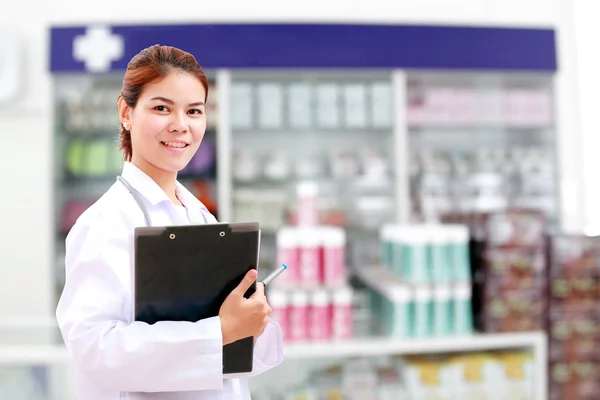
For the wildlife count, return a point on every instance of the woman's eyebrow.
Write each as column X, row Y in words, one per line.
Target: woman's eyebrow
column 169, row 101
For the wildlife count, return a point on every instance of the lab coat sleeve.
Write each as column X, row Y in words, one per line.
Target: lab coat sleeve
column 109, row 349
column 268, row 349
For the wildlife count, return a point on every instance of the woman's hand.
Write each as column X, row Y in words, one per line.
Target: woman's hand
column 241, row 317
column 259, row 295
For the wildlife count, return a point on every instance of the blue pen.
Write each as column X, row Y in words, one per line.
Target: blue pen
column 274, row 274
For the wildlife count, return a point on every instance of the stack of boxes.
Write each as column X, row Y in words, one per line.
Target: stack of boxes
column 510, row 271
column 574, row 329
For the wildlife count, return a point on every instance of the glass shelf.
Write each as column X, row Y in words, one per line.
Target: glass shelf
column 331, row 128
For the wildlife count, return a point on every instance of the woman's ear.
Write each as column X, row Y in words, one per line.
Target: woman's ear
column 124, row 113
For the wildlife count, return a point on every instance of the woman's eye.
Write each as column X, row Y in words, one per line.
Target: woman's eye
column 160, row 108
column 195, row 111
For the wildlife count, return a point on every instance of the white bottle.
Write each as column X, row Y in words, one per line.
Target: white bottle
column 341, row 314
column 308, row 214
column 334, row 256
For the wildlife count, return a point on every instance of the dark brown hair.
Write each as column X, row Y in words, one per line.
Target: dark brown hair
column 148, row 65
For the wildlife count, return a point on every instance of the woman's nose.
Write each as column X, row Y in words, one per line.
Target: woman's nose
column 177, row 123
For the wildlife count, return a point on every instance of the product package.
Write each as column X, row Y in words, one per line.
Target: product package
column 510, row 271
column 574, row 316
column 574, row 380
column 494, row 375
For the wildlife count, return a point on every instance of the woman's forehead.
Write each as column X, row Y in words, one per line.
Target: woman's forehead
column 177, row 87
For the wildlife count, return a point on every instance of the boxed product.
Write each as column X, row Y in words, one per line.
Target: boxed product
column 574, row 380
column 565, row 288
column 517, row 382
column 574, row 255
column 429, row 378
column 520, row 310
column 574, row 333
column 507, row 270
column 583, row 309
column 492, row 375
column 515, row 228
column 510, row 271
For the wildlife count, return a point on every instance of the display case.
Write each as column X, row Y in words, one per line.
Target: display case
column 282, row 130
column 481, row 142
column 380, row 125
column 368, row 127
column 330, row 133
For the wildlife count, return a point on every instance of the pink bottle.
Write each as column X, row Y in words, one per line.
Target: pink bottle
column 288, row 253
column 341, row 314
column 278, row 300
column 298, row 319
column 334, row 256
column 310, row 256
column 319, row 315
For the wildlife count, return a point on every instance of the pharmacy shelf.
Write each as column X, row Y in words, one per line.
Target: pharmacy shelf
column 387, row 346
column 378, row 278
column 29, row 355
column 383, row 280
column 57, row 354
column 38, row 347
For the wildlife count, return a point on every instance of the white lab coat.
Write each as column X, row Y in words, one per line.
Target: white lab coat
column 117, row 358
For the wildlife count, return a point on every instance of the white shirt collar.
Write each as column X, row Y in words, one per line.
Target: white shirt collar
column 145, row 185
column 151, row 191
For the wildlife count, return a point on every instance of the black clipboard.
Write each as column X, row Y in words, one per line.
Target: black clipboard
column 184, row 273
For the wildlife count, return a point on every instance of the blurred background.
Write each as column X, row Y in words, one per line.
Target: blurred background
column 426, row 168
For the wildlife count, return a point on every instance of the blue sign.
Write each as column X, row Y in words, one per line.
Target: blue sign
column 109, row 48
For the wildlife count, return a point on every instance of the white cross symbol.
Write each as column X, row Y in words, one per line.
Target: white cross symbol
column 98, row 48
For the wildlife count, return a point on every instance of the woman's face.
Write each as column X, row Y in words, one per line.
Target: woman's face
column 168, row 123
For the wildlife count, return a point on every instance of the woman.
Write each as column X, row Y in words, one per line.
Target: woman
column 162, row 112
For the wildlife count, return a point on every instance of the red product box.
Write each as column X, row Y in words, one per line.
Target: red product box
column 572, row 310
column 516, row 311
column 574, row 288
column 513, row 324
column 500, row 287
column 516, row 228
column 574, row 349
column 524, row 262
column 574, row 380
column 574, row 256
column 519, row 303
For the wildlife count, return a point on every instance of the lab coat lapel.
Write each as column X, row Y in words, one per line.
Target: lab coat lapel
column 196, row 217
column 192, row 204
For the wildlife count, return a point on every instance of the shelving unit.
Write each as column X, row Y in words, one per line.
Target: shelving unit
column 368, row 347
column 383, row 158
column 365, row 201
column 285, row 127
column 481, row 142
column 41, row 354
column 56, row 357
column 281, row 107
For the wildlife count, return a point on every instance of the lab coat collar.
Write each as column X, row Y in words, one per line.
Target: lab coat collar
column 197, row 212
column 145, row 185
column 150, row 190
column 188, row 199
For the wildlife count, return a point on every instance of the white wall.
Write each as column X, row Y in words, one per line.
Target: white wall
column 25, row 156
column 588, row 72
